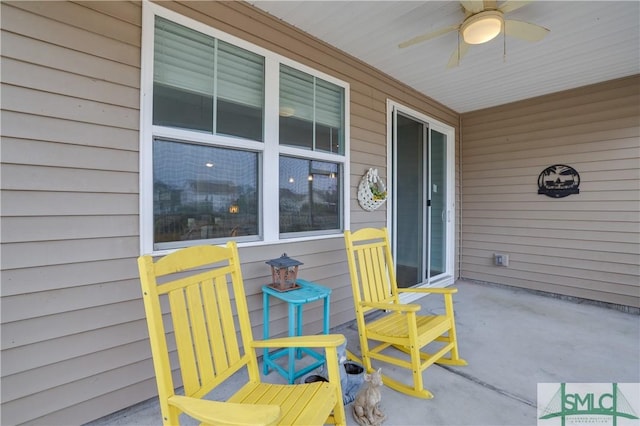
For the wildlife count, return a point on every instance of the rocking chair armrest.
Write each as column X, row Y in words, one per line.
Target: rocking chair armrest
column 313, row 341
column 429, row 290
column 407, row 307
column 226, row 413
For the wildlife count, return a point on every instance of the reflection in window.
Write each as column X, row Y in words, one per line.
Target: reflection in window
column 192, row 69
column 309, row 195
column 211, row 175
column 203, row 192
column 311, row 112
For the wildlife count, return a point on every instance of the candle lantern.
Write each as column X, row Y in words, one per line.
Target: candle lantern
column 284, row 271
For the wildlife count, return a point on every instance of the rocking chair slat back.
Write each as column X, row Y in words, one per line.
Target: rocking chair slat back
column 399, row 330
column 375, row 269
column 202, row 316
column 196, row 307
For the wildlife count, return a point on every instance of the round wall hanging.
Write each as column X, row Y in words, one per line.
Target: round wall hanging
column 558, row 181
column 372, row 192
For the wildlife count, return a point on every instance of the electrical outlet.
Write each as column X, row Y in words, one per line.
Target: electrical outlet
column 500, row 259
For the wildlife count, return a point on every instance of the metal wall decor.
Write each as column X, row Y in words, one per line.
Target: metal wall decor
column 558, row 181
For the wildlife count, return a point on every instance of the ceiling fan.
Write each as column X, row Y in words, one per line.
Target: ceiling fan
column 483, row 21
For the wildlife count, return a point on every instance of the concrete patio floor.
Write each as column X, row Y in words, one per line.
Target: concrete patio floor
column 512, row 339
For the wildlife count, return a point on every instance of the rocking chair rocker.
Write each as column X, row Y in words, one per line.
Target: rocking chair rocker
column 374, row 288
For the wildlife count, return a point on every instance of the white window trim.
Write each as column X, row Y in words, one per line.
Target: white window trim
column 270, row 148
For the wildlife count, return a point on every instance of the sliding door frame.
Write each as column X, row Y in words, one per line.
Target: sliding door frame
column 448, row 277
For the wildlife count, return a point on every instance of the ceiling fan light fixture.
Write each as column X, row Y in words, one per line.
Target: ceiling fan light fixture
column 482, row 27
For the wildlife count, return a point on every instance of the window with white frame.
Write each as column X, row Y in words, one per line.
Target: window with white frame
column 236, row 141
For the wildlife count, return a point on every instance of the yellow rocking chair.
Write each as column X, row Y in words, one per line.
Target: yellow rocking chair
column 207, row 324
column 374, row 288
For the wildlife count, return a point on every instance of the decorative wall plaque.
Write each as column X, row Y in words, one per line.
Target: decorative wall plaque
column 558, row 181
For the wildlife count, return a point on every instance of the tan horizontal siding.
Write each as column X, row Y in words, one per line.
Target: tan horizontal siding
column 110, row 401
column 556, row 101
column 553, row 136
column 28, row 254
column 40, row 405
column 18, row 73
column 565, row 277
column 548, row 225
column 39, row 26
column 62, row 58
column 626, row 193
column 587, row 260
column 575, row 275
column 595, row 110
column 623, row 128
column 38, row 379
column 21, row 359
column 554, row 288
column 30, row 178
column 45, row 303
column 45, row 228
column 26, row 126
column 43, row 203
column 41, row 153
column 36, row 329
column 542, row 232
column 61, row 276
column 94, row 22
column 585, row 245
column 25, row 100
column 74, row 342
column 127, row 11
column 71, row 314
column 616, row 149
column 560, row 215
column 584, row 206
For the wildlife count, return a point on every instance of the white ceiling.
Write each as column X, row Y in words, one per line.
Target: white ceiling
column 589, row 42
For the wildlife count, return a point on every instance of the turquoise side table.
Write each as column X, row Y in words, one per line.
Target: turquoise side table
column 309, row 292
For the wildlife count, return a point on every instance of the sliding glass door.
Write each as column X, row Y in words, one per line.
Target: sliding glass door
column 438, row 211
column 422, row 226
column 410, row 201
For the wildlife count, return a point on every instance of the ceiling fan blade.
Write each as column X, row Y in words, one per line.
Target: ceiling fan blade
column 457, row 54
column 427, row 36
column 511, row 5
column 524, row 30
column 472, row 6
